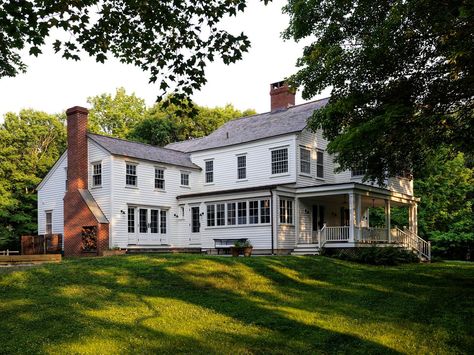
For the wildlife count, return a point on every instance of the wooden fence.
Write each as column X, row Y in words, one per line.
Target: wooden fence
column 41, row 244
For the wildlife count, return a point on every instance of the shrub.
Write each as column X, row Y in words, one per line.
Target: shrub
column 378, row 255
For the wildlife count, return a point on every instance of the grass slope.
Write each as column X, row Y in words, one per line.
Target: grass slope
column 186, row 303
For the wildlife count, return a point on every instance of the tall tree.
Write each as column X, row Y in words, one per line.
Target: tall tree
column 168, row 123
column 401, row 74
column 115, row 115
column 172, row 40
column 30, row 143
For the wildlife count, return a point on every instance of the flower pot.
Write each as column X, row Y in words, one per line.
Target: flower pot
column 235, row 251
column 248, row 251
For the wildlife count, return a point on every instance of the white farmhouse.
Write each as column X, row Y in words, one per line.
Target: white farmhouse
column 265, row 178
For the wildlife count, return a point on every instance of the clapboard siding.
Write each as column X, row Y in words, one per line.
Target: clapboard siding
column 258, row 164
column 50, row 197
column 101, row 194
column 314, row 141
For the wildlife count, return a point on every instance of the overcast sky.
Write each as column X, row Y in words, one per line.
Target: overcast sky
column 53, row 84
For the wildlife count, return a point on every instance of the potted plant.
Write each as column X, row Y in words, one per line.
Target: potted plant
column 242, row 247
column 247, row 248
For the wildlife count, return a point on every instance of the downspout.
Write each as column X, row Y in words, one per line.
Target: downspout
column 271, row 218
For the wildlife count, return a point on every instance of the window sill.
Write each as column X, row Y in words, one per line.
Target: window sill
column 185, row 186
column 320, row 178
column 96, row 187
column 131, row 187
column 279, row 175
column 239, row 226
column 305, row 175
column 160, row 190
column 241, row 180
column 209, row 183
column 286, row 224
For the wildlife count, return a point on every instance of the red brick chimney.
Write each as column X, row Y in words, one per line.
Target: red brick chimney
column 77, row 148
column 78, row 215
column 281, row 96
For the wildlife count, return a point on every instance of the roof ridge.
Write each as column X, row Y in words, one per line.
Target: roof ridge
column 129, row 141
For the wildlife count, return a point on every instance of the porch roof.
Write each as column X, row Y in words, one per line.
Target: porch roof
column 347, row 187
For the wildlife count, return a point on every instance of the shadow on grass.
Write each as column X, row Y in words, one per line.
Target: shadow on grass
column 198, row 304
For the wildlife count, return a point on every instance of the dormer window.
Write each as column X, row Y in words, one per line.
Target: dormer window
column 131, row 175
column 96, row 174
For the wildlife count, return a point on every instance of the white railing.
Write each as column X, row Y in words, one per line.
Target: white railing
column 414, row 242
column 372, row 234
column 337, row 234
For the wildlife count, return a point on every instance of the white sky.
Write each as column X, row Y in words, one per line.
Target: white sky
column 53, row 84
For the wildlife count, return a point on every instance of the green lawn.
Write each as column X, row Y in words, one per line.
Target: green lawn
column 186, row 303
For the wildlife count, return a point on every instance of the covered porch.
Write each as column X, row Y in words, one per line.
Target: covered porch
column 342, row 218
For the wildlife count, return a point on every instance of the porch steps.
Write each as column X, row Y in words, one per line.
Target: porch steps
column 306, row 249
column 162, row 250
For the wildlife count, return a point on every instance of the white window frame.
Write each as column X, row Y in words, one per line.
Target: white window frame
column 319, row 164
column 241, row 168
column 206, row 172
column 162, row 178
column 212, row 221
column 282, row 173
column 288, row 217
column 127, row 174
column 306, row 173
column 357, row 173
column 94, row 174
column 46, row 213
column 181, row 175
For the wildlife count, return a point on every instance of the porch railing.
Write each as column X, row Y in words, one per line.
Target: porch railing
column 414, row 242
column 333, row 234
column 371, row 234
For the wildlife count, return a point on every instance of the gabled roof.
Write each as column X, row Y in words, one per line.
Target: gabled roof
column 143, row 151
column 247, row 129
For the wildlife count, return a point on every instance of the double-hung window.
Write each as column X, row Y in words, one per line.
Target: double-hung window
column 131, row 175
column 159, row 178
column 305, row 161
column 286, row 211
column 231, row 214
column 97, row 174
column 320, row 164
column 279, row 161
column 184, row 179
column 241, row 167
column 211, row 215
column 49, row 222
column 253, row 212
column 242, row 212
column 209, row 171
column 357, row 172
column 220, row 214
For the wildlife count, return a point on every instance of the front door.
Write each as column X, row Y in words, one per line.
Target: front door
column 195, row 226
column 152, row 226
column 318, row 217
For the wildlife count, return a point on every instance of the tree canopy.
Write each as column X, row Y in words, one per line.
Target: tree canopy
column 401, row 74
column 30, row 143
column 171, row 40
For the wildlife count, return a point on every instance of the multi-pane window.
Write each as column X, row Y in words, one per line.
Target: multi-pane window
column 220, row 214
column 209, row 171
column 286, row 211
column 241, row 167
column 131, row 220
column 162, row 221
column 253, row 212
column 265, row 211
column 49, row 222
column 357, row 172
column 159, row 178
column 211, row 215
column 320, row 164
column 154, row 221
column 143, row 220
column 242, row 212
column 280, row 161
column 131, row 175
column 96, row 174
column 305, row 161
column 231, row 214
column 184, row 179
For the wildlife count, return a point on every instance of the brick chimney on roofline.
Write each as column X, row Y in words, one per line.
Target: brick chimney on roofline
column 281, row 96
column 77, row 148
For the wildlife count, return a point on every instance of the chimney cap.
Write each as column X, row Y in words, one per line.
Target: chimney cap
column 76, row 109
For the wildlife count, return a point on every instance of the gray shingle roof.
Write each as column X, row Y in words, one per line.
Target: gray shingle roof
column 143, row 151
column 251, row 128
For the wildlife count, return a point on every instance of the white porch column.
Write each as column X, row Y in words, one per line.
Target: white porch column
column 297, row 220
column 351, row 217
column 275, row 222
column 358, row 211
column 413, row 218
column 387, row 219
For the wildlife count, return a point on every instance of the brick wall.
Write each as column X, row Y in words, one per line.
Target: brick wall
column 76, row 212
column 281, row 96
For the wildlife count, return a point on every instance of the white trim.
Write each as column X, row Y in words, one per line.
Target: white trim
column 52, row 170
